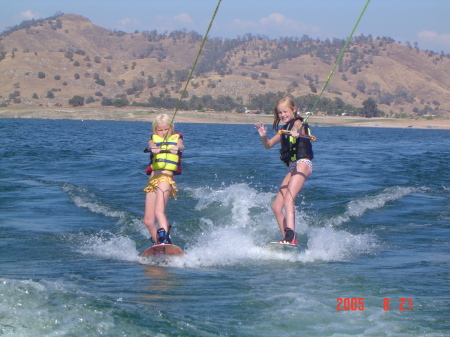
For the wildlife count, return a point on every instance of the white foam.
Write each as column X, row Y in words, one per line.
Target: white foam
column 237, row 225
column 110, row 245
column 358, row 207
column 30, row 308
column 240, row 197
column 83, row 198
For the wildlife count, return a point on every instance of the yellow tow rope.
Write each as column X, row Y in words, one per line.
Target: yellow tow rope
column 195, row 62
column 338, row 59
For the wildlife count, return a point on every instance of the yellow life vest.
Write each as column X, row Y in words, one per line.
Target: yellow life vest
column 166, row 160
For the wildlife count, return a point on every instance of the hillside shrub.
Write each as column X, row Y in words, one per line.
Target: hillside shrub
column 100, row 82
column 69, row 55
column 121, row 102
column 76, row 101
column 107, row 101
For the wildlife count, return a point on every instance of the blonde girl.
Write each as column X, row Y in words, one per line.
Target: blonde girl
column 296, row 152
column 165, row 147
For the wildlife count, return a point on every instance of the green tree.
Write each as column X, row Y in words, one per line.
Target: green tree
column 181, row 75
column 107, row 101
column 370, row 108
column 121, row 102
column 151, row 82
column 361, row 86
column 50, row 94
column 69, row 55
column 100, row 82
column 41, row 75
column 76, row 101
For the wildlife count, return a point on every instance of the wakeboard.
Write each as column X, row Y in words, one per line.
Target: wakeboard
column 284, row 247
column 162, row 250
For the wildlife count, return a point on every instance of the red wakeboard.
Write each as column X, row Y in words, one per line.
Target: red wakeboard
column 163, row 250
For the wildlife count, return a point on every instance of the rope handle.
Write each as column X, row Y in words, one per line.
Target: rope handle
column 300, row 135
column 147, row 150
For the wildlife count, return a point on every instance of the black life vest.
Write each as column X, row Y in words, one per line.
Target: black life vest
column 293, row 149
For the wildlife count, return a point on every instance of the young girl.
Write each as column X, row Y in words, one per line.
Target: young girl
column 165, row 147
column 296, row 152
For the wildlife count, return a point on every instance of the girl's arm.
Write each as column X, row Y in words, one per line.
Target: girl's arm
column 268, row 143
column 152, row 147
column 298, row 129
column 179, row 146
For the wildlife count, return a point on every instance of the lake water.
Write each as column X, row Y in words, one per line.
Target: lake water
column 373, row 219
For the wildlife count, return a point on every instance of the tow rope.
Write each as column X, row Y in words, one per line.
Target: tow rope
column 177, row 107
column 338, row 59
column 195, row 61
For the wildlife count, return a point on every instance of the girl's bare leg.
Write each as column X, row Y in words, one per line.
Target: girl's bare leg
column 149, row 214
column 162, row 197
column 278, row 204
column 290, row 187
column 155, row 206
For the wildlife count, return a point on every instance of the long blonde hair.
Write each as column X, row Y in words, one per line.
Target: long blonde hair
column 162, row 118
column 289, row 102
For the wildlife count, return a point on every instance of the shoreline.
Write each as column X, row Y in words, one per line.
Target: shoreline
column 147, row 115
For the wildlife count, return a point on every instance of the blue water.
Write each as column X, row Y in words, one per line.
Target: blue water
column 373, row 218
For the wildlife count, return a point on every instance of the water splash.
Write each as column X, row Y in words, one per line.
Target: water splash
column 47, row 308
column 109, row 245
column 240, row 197
column 241, row 238
column 83, row 198
column 356, row 208
column 236, row 225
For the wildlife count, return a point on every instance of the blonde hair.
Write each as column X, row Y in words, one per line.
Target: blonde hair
column 288, row 102
column 162, row 118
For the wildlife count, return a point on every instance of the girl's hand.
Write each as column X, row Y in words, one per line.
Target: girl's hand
column 155, row 150
column 262, row 130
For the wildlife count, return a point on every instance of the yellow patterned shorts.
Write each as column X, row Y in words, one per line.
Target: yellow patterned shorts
column 293, row 164
column 154, row 181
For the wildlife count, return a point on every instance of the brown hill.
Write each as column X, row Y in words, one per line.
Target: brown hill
column 51, row 61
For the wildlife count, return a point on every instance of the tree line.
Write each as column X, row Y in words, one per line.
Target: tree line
column 261, row 104
column 26, row 24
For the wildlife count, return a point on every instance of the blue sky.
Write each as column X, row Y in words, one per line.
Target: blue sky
column 423, row 21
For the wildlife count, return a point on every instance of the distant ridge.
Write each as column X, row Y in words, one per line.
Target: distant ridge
column 49, row 61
